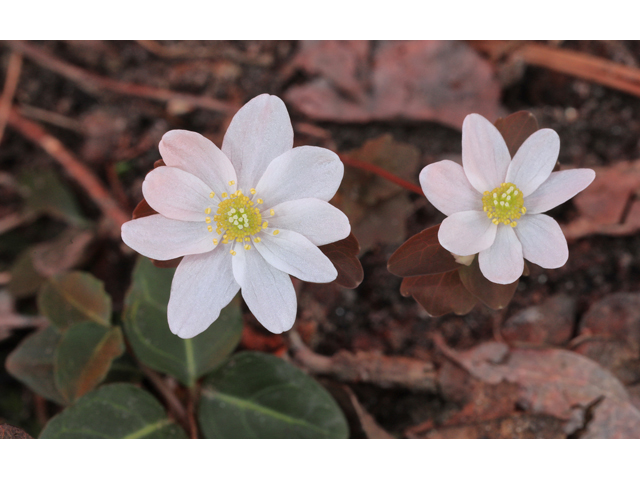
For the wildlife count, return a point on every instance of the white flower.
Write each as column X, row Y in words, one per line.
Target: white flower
column 244, row 217
column 494, row 204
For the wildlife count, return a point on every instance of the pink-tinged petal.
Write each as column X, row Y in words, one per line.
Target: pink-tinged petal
column 543, row 242
column 296, row 255
column 162, row 238
column 304, row 172
column 466, row 233
column 485, row 156
column 267, row 291
column 319, row 221
column 446, row 186
column 193, row 153
column 502, row 262
column 176, row 194
column 259, row 132
column 202, row 286
column 558, row 188
column 534, row 161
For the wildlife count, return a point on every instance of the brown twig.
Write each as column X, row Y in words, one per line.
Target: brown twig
column 348, row 160
column 384, row 371
column 78, row 171
column 191, row 412
column 581, row 65
column 93, row 83
column 173, row 403
column 9, row 90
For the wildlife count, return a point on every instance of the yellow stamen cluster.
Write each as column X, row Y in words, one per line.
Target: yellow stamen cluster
column 504, row 204
column 237, row 218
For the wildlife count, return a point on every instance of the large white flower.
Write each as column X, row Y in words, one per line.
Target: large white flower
column 244, row 217
column 494, row 204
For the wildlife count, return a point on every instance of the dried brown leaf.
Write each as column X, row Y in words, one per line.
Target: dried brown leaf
column 440, row 81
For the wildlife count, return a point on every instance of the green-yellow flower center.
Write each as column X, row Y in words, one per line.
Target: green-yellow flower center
column 238, row 217
column 504, row 204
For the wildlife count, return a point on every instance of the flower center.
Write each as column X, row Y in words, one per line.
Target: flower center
column 238, row 219
column 504, row 204
column 238, row 216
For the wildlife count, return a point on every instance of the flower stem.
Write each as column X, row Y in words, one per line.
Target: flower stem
column 346, row 159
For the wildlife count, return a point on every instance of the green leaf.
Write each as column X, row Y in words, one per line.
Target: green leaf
column 74, row 297
column 45, row 193
column 147, row 329
column 84, row 356
column 32, row 363
column 114, row 411
column 25, row 279
column 256, row 395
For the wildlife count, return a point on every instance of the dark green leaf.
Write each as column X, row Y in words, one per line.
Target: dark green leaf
column 493, row 295
column 439, row 294
column 147, row 330
column 32, row 363
column 45, row 193
column 256, row 395
column 114, row 411
column 84, row 356
column 422, row 254
column 74, row 297
column 25, row 279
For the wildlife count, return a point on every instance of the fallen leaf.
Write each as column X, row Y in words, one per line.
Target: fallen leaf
column 10, row 432
column 610, row 206
column 609, row 333
column 560, row 383
column 551, row 322
column 440, row 81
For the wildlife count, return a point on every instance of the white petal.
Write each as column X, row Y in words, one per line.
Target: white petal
column 304, row 172
column 319, row 221
column 193, row 153
column 534, row 161
column 267, row 291
column 446, row 186
column 202, row 286
column 543, row 242
column 163, row 239
column 485, row 156
column 558, row 188
column 296, row 255
column 259, row 132
column 176, row 194
column 502, row 262
column 466, row 233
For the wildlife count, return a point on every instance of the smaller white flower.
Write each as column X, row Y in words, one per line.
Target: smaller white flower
column 244, row 217
column 494, row 205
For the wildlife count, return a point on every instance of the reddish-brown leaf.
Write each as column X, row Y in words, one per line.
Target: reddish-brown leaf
column 493, row 295
column 571, row 387
column 343, row 255
column 10, row 432
column 439, row 294
column 516, row 128
column 422, row 254
column 441, row 81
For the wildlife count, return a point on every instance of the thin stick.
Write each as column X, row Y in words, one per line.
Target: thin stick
column 78, row 171
column 581, row 65
column 96, row 83
column 173, row 403
column 347, row 160
column 10, row 85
